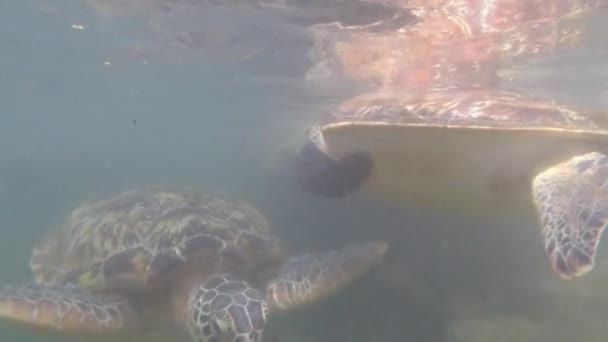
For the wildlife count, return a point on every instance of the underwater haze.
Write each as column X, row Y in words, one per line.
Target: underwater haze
column 100, row 96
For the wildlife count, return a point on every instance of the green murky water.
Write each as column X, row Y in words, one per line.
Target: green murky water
column 94, row 102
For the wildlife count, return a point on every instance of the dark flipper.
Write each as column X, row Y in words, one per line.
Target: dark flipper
column 329, row 177
column 306, row 278
column 65, row 310
column 572, row 201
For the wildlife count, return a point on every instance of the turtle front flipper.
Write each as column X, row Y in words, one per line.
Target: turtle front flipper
column 572, row 202
column 225, row 308
column 330, row 177
column 306, row 278
column 67, row 310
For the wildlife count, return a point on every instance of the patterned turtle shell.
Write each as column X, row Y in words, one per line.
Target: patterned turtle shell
column 136, row 239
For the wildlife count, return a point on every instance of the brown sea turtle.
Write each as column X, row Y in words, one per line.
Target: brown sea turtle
column 142, row 258
column 451, row 140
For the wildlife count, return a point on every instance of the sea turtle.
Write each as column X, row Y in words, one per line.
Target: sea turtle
column 204, row 263
column 460, row 144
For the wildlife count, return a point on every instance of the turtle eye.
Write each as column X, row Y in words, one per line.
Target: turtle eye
column 210, row 332
column 215, row 327
column 222, row 329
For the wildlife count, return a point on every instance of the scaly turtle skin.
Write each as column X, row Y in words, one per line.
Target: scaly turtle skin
column 447, row 138
column 207, row 265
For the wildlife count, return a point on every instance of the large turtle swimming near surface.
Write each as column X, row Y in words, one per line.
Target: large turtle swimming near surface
column 207, row 265
column 439, row 134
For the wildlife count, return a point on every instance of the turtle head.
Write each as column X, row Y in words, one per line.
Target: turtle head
column 322, row 174
column 225, row 309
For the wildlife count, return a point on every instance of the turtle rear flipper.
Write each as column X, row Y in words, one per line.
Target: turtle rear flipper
column 572, row 201
column 309, row 277
column 67, row 310
column 329, row 177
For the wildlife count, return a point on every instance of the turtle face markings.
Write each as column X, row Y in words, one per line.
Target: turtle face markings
column 225, row 309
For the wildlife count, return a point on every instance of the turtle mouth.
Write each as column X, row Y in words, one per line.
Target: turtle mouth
column 328, row 177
